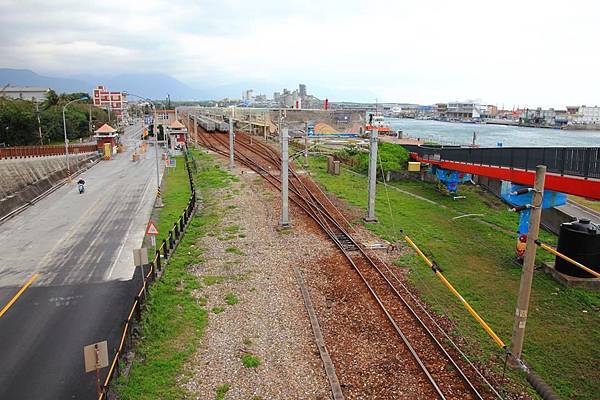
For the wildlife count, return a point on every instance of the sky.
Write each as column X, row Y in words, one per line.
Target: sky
column 512, row 53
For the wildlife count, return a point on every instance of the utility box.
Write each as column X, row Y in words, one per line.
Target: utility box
column 414, row 166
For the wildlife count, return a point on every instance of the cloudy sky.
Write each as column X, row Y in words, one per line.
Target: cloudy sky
column 526, row 52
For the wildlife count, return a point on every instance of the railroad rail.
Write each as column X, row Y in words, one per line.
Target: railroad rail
column 446, row 376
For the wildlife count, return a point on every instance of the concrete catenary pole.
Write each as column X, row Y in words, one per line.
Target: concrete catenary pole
column 159, row 202
column 195, row 131
column 372, row 176
column 285, row 221
column 516, row 344
column 231, row 139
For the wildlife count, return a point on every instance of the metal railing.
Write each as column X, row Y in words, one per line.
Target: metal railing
column 573, row 161
column 161, row 257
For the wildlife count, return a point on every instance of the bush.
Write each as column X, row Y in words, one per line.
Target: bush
column 391, row 157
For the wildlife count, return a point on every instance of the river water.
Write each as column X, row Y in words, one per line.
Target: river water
column 492, row 135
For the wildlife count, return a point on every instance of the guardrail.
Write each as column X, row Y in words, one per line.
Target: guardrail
column 573, row 161
column 161, row 257
column 43, row 151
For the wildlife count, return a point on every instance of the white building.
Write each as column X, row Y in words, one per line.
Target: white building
column 31, row 93
column 464, row 110
column 587, row 115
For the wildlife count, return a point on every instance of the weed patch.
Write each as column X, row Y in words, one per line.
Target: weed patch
column 231, row 299
column 250, row 361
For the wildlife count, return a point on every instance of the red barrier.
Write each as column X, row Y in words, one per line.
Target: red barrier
column 44, row 151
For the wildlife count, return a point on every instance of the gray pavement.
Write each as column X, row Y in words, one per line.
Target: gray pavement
column 81, row 248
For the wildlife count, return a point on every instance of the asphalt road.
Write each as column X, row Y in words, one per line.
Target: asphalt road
column 79, row 248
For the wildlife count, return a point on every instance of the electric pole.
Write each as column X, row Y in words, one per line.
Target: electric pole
column 372, row 176
column 518, row 337
column 285, row 221
column 231, row 139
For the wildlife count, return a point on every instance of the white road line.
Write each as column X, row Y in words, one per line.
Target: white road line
column 124, row 240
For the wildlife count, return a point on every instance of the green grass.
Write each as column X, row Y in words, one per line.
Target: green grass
column 218, row 310
column 250, row 361
column 210, row 280
column 561, row 340
column 221, row 391
column 234, row 250
column 231, row 299
column 174, row 320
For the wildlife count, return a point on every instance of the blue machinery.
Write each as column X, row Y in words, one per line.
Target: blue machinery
column 518, row 196
column 521, row 197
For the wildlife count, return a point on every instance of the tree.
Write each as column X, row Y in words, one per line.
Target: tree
column 51, row 99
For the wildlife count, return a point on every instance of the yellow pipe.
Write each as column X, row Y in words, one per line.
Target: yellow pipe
column 556, row 253
column 470, row 309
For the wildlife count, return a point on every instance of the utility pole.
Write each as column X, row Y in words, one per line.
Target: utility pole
column 306, row 143
column 279, row 124
column 37, row 112
column 159, row 202
column 90, row 122
column 285, row 221
column 231, row 139
column 518, row 336
column 195, row 132
column 372, row 176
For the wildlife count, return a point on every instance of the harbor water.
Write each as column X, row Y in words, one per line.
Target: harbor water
column 493, row 135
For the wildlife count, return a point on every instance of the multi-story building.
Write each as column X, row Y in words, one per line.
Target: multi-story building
column 248, row 95
column 587, row 115
column 32, row 93
column 113, row 101
column 464, row 110
column 441, row 109
column 302, row 90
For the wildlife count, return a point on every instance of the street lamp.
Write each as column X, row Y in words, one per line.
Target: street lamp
column 158, row 198
column 65, row 130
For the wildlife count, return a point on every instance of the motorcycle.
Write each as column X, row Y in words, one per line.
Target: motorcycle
column 80, row 186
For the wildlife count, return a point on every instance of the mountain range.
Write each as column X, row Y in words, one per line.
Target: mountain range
column 157, row 86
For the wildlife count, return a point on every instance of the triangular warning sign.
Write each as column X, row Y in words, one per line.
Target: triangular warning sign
column 151, row 229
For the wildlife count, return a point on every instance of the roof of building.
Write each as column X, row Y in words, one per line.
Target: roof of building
column 105, row 129
column 176, row 125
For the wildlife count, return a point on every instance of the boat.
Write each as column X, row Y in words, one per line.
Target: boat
column 379, row 123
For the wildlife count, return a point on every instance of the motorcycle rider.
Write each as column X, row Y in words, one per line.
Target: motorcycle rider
column 80, row 185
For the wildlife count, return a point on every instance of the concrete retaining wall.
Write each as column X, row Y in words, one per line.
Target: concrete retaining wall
column 22, row 180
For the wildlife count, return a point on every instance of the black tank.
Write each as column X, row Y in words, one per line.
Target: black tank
column 579, row 240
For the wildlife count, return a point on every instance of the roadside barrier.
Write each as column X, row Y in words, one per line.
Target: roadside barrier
column 44, row 151
column 159, row 262
column 552, row 250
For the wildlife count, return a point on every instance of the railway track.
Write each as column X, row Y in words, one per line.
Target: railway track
column 447, row 377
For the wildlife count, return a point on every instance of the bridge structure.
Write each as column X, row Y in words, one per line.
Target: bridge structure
column 571, row 170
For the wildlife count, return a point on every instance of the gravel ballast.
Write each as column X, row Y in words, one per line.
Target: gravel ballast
column 256, row 311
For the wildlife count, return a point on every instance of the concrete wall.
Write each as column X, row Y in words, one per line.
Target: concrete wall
column 22, row 180
column 492, row 185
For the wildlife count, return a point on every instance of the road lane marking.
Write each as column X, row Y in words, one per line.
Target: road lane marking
column 19, row 293
column 142, row 202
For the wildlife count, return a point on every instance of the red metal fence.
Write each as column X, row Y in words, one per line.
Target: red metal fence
column 43, row 151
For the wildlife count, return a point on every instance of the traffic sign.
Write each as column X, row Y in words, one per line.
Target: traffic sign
column 95, row 356
column 151, row 229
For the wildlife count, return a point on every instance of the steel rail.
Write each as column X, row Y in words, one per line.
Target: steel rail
column 325, row 220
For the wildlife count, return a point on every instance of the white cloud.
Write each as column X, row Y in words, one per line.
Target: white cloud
column 512, row 52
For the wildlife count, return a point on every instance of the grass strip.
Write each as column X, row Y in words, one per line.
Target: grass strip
column 173, row 320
